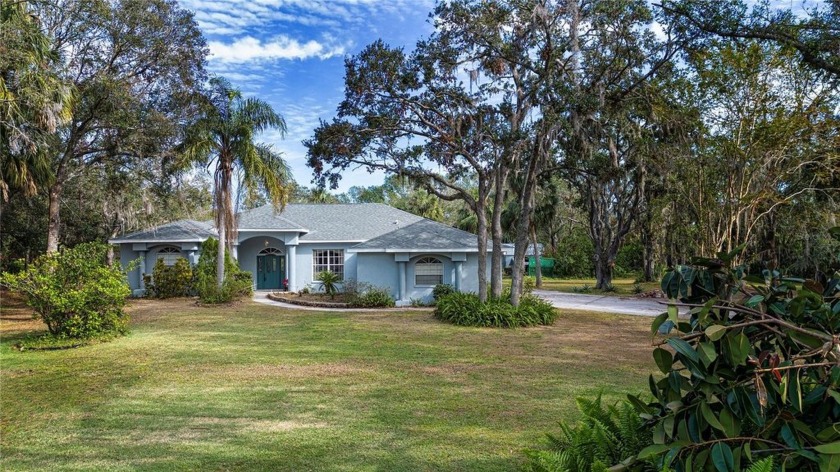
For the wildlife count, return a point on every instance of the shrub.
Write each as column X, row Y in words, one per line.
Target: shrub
column 603, row 437
column 637, row 288
column 237, row 283
column 585, row 289
column 170, row 281
column 755, row 372
column 528, row 284
column 610, row 288
column 329, row 281
column 465, row 309
column 372, row 297
column 442, row 290
column 75, row 292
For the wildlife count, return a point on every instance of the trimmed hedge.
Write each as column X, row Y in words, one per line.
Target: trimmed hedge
column 465, row 309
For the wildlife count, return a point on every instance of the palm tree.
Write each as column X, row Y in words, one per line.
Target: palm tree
column 224, row 136
column 33, row 100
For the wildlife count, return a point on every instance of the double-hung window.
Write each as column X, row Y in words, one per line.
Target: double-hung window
column 328, row 259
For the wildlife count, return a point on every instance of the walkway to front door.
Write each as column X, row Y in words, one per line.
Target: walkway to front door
column 271, row 269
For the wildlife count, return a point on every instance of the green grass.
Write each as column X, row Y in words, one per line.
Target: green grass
column 252, row 387
column 624, row 286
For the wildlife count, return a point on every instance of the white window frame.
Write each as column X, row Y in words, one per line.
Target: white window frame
column 169, row 255
column 428, row 266
column 328, row 259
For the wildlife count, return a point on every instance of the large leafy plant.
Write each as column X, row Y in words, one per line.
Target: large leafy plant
column 753, row 373
column 75, row 292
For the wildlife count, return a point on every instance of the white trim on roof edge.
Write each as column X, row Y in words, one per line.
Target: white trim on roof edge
column 140, row 241
column 424, row 251
column 292, row 230
column 330, row 241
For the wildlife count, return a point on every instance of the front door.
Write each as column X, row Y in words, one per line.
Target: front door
column 270, row 271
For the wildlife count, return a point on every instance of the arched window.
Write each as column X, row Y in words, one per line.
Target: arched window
column 271, row 251
column 428, row 271
column 169, row 255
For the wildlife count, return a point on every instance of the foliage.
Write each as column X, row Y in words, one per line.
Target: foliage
column 237, row 284
column 329, row 282
column 224, row 136
column 75, row 292
column 574, row 256
column 372, row 297
column 465, row 309
column 528, row 284
column 586, row 288
column 133, row 66
column 637, row 288
column 754, row 373
column 604, row 436
column 170, row 281
column 441, row 290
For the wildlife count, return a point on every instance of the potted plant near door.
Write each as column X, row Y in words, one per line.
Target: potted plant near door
column 285, row 285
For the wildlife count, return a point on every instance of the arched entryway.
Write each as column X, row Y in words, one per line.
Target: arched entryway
column 271, row 269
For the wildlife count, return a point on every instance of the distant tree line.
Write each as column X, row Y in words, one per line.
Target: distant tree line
column 624, row 136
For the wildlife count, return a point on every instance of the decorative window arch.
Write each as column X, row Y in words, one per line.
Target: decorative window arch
column 271, row 251
column 428, row 271
column 169, row 255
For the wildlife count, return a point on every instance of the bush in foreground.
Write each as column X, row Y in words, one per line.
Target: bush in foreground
column 170, row 281
column 372, row 297
column 75, row 292
column 465, row 309
column 237, row 284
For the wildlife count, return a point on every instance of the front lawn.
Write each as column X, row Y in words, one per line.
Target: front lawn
column 254, row 387
column 624, row 287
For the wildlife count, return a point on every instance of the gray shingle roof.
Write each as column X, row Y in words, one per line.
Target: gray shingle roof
column 265, row 217
column 181, row 230
column 423, row 235
column 332, row 222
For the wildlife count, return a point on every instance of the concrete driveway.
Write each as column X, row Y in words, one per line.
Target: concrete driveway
column 605, row 304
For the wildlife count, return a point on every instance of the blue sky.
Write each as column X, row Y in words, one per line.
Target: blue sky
column 291, row 54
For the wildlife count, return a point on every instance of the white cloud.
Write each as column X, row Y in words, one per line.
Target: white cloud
column 249, row 49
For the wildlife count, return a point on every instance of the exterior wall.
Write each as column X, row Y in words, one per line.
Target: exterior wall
column 379, row 269
column 127, row 255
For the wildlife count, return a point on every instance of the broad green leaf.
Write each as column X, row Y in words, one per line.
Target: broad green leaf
column 730, row 423
column 663, row 359
column 722, row 458
column 795, row 391
column 639, row 405
column 710, row 417
column 657, row 322
column 652, row 451
column 738, row 346
column 754, row 300
column 684, row 348
column 829, row 462
column 673, row 312
column 708, row 354
column 830, row 448
column 715, row 332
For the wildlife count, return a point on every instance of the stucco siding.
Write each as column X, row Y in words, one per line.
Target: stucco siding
column 380, row 270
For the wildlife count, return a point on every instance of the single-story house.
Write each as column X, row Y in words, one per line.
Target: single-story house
column 367, row 242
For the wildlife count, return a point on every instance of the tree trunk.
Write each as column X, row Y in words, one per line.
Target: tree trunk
column 497, row 269
column 481, row 214
column 523, row 224
column 53, row 228
column 604, row 264
column 537, row 259
column 647, row 248
column 220, row 255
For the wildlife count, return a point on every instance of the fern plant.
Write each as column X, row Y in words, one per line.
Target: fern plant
column 604, row 437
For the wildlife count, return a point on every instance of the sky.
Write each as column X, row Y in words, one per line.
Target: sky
column 291, row 53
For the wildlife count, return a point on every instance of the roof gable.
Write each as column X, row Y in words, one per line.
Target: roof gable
column 423, row 235
column 176, row 231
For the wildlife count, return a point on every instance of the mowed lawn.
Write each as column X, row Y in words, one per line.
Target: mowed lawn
column 624, row 286
column 254, row 387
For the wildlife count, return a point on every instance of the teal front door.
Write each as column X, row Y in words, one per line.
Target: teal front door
column 270, row 271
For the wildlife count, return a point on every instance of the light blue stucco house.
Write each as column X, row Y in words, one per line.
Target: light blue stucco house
column 366, row 242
